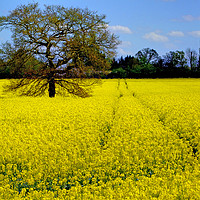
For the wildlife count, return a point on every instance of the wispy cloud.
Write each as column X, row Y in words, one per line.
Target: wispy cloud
column 190, row 18
column 125, row 44
column 120, row 29
column 155, row 37
column 176, row 34
column 187, row 18
column 195, row 33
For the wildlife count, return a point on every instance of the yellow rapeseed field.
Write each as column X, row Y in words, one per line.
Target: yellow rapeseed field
column 133, row 139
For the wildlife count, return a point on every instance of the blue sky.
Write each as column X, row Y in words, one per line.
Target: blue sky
column 164, row 25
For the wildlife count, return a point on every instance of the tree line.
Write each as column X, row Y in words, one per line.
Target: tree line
column 145, row 64
column 148, row 64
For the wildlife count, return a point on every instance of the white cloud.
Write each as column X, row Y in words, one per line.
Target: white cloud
column 190, row 18
column 195, row 33
column 125, row 44
column 187, row 18
column 155, row 37
column 120, row 29
column 176, row 34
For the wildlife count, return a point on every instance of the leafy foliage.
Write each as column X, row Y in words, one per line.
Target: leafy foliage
column 67, row 43
column 147, row 64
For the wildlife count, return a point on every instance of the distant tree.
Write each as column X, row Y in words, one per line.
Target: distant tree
column 4, row 71
column 170, row 59
column 181, row 60
column 66, row 43
column 114, row 64
column 124, row 67
column 175, row 64
column 131, row 61
column 147, row 70
column 192, row 58
column 150, row 55
column 119, row 73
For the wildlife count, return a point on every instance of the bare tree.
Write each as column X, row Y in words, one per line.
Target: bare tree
column 67, row 43
column 192, row 58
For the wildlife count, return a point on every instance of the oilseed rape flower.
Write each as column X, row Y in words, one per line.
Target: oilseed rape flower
column 133, row 139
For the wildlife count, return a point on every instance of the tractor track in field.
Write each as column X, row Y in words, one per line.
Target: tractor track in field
column 106, row 130
column 161, row 119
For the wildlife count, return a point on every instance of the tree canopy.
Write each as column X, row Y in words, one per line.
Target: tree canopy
column 148, row 64
column 66, row 42
column 150, row 55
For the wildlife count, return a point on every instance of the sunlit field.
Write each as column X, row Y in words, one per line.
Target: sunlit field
column 133, row 139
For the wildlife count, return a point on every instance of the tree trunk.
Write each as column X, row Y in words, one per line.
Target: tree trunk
column 52, row 87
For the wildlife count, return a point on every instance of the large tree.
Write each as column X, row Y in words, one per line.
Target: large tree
column 150, row 55
column 66, row 42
